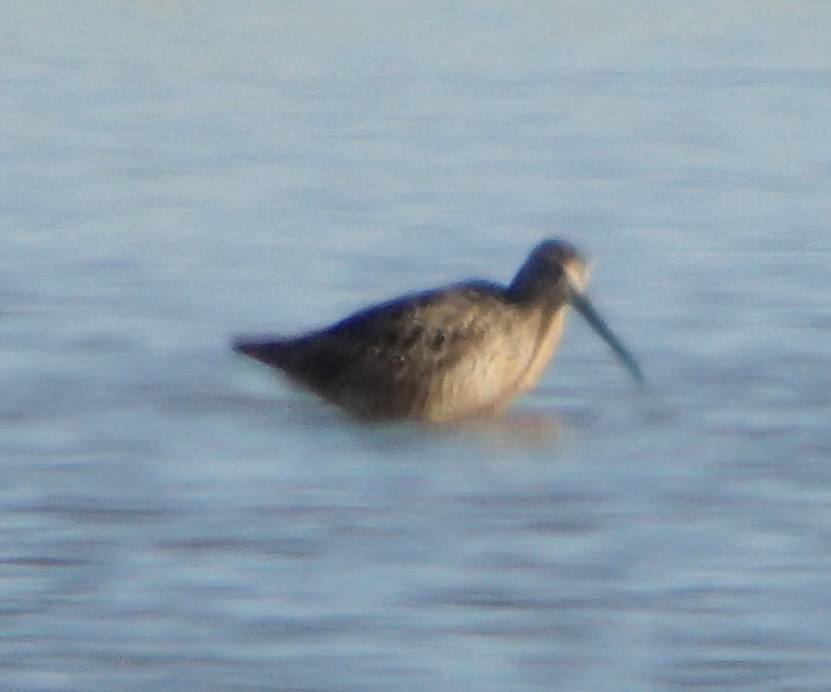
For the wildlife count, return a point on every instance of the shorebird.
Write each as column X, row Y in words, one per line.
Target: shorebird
column 462, row 351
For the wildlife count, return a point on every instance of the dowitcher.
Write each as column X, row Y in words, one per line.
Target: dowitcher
column 460, row 351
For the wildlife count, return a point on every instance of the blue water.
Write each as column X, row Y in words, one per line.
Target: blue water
column 176, row 518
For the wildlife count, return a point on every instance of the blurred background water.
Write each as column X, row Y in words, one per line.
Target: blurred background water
column 175, row 172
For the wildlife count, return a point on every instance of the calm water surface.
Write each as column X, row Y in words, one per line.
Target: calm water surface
column 176, row 518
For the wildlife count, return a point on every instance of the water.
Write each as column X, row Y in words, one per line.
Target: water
column 178, row 172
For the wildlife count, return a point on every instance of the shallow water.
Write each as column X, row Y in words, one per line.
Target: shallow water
column 177, row 172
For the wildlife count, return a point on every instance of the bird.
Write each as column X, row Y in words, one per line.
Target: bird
column 465, row 350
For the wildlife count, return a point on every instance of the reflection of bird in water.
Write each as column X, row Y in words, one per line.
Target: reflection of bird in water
column 461, row 351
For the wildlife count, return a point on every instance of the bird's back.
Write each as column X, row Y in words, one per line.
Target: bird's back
column 436, row 355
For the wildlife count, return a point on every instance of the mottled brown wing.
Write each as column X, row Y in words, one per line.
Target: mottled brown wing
column 378, row 361
column 431, row 329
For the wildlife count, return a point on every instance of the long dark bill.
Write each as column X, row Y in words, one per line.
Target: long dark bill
column 583, row 305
